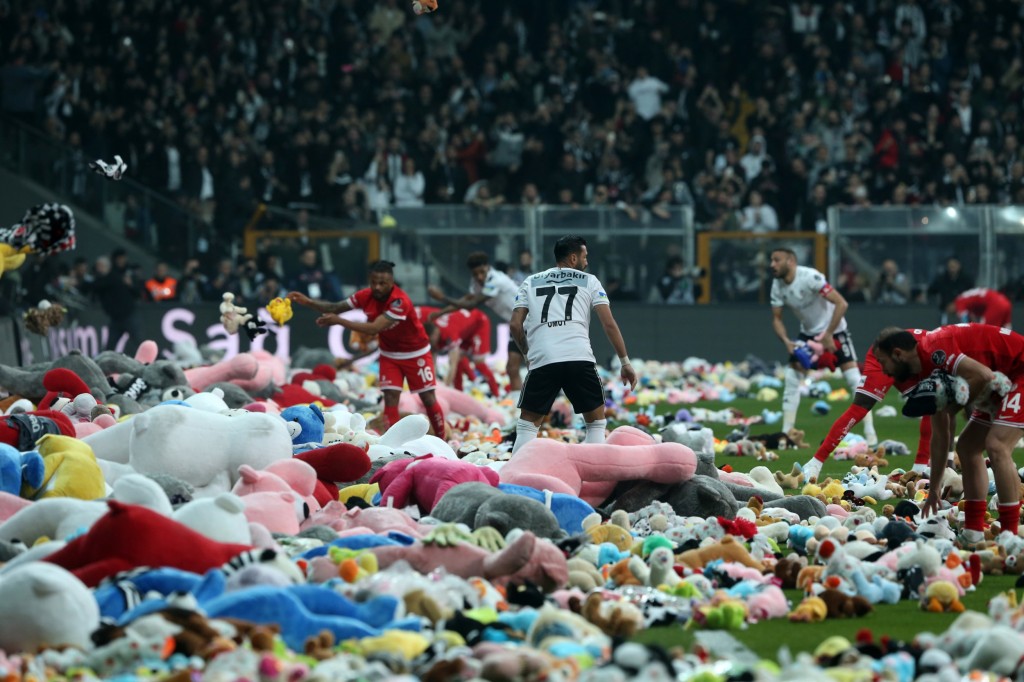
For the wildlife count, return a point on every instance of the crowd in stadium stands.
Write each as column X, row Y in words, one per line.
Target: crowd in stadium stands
column 760, row 115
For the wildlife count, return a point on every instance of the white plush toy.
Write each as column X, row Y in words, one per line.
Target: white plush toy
column 202, row 448
column 221, row 518
column 43, row 604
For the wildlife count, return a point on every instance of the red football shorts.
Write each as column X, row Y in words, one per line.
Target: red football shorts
column 418, row 372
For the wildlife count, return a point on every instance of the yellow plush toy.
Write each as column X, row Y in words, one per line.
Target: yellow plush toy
column 407, row 645
column 71, row 470
column 10, row 259
column 280, row 310
column 362, row 491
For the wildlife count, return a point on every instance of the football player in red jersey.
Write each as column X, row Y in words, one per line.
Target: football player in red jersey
column 465, row 335
column 404, row 347
column 986, row 306
column 874, row 384
column 974, row 352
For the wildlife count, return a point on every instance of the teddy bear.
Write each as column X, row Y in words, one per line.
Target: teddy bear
column 841, row 605
column 235, row 317
column 19, row 468
column 42, row 316
column 728, row 549
column 615, row 618
column 424, row 6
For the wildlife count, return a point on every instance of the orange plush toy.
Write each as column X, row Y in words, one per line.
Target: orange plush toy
column 424, row 6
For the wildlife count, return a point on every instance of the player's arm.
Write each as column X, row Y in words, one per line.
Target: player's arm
column 517, row 329
column 779, row 327
column 467, row 302
column 442, row 312
column 318, row 305
column 942, row 441
column 382, row 323
column 611, row 330
column 977, row 375
column 835, row 298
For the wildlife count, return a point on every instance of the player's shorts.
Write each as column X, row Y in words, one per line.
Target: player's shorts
column 578, row 378
column 1010, row 412
column 513, row 347
column 476, row 338
column 418, row 372
column 844, row 348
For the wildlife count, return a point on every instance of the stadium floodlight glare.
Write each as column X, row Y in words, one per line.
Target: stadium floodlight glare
column 951, row 212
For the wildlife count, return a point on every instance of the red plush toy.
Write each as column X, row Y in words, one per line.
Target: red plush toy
column 129, row 536
column 338, row 463
column 23, row 430
column 61, row 382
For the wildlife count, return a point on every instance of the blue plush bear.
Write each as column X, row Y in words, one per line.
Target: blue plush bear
column 20, row 468
column 306, row 426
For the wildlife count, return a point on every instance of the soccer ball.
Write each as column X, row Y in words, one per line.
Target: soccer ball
column 424, row 6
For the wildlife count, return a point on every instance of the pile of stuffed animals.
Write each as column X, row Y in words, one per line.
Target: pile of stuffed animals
column 243, row 519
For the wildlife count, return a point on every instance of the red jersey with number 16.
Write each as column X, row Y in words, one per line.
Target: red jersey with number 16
column 407, row 338
column 1001, row 350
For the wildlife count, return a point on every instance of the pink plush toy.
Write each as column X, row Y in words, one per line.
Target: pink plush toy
column 769, row 602
column 423, row 481
column 277, row 511
column 274, row 365
column 243, row 370
column 527, row 558
column 372, row 520
column 11, row 504
column 851, row 451
column 591, row 471
column 147, row 352
column 453, row 402
column 283, row 476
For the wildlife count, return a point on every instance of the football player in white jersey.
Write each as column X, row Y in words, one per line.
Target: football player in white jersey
column 551, row 325
column 498, row 291
column 821, row 310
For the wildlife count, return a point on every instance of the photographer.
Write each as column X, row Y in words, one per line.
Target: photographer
column 118, row 293
column 678, row 285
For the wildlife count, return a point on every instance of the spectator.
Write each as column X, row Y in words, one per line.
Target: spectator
column 677, row 286
column 892, row 286
column 312, row 280
column 161, row 286
column 409, row 186
column 193, row 286
column 524, row 268
column 948, row 284
column 645, row 92
column 118, row 291
column 759, row 217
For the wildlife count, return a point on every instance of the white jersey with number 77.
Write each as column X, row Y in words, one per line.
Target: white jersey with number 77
column 557, row 325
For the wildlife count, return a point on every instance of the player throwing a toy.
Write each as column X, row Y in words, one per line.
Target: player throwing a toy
column 551, row 326
column 404, row 347
column 986, row 306
column 498, row 291
column 974, row 352
column 821, row 310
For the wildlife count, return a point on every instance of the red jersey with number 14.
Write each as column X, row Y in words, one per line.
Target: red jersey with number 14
column 1001, row 350
column 407, row 338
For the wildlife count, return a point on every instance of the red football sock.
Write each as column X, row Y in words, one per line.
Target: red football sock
column 847, row 420
column 924, row 443
column 436, row 416
column 488, row 376
column 391, row 415
column 974, row 514
column 1009, row 517
column 463, row 369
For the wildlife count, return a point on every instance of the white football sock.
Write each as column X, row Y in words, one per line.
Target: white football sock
column 790, row 398
column 525, row 432
column 595, row 431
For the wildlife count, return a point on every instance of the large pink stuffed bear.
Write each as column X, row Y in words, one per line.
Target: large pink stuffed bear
column 591, row 471
column 423, row 481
